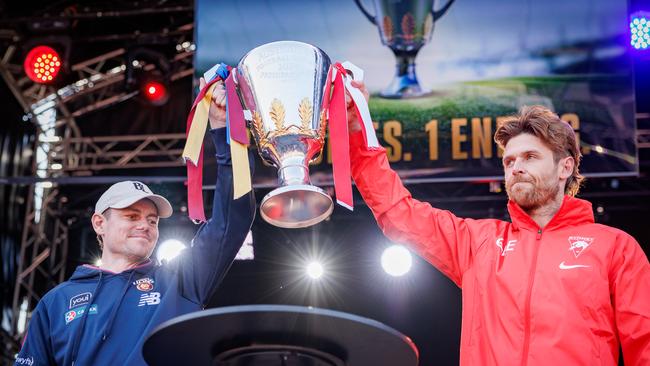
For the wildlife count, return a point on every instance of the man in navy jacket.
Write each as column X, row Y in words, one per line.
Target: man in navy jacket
column 101, row 316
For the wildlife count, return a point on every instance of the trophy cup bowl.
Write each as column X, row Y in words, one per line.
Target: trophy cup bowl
column 281, row 84
column 404, row 27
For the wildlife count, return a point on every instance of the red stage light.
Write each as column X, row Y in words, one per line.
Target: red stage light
column 42, row 64
column 155, row 92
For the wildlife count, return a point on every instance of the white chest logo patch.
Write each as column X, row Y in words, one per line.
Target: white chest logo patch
column 509, row 247
column 149, row 298
column 572, row 266
column 579, row 244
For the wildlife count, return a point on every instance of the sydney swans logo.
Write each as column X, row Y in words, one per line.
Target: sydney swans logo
column 579, row 244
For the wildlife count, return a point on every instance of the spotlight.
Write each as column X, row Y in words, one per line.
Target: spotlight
column 315, row 270
column 42, row 64
column 169, row 249
column 640, row 30
column 396, row 260
column 147, row 71
column 155, row 92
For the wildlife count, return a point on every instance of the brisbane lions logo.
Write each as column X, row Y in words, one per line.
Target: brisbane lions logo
column 144, row 284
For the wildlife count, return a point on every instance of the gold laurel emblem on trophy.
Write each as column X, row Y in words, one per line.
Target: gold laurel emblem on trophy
column 257, row 124
column 387, row 24
column 277, row 113
column 259, row 129
column 323, row 127
column 306, row 113
column 408, row 27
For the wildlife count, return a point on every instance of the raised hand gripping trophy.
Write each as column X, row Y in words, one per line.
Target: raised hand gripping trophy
column 281, row 84
column 404, row 26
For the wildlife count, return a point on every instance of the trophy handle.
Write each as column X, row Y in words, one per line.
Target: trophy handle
column 365, row 12
column 436, row 14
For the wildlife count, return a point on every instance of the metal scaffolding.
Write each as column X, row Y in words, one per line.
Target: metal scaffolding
column 64, row 152
column 43, row 251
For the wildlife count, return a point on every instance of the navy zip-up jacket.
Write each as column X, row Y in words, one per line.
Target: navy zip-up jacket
column 102, row 318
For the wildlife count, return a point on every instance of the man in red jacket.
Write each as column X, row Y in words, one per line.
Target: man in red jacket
column 551, row 287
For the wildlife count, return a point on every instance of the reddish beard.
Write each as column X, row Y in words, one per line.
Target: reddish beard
column 533, row 195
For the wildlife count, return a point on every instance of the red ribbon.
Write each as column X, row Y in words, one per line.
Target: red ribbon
column 235, row 112
column 339, row 139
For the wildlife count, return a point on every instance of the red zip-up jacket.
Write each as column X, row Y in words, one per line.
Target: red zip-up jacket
column 567, row 294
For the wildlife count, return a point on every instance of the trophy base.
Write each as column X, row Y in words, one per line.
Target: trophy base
column 296, row 206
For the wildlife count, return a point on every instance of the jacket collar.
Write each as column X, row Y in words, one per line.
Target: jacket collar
column 573, row 211
column 90, row 271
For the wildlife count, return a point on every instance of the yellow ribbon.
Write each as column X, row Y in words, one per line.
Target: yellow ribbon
column 238, row 152
column 241, row 173
column 195, row 137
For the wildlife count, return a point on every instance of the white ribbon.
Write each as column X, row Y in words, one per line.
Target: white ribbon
column 360, row 102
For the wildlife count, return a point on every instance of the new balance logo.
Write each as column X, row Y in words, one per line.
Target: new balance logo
column 571, row 266
column 151, row 298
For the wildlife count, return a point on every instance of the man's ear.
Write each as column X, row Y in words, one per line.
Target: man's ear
column 98, row 222
column 565, row 167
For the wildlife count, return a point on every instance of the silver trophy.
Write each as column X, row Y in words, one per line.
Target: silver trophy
column 404, row 26
column 281, row 86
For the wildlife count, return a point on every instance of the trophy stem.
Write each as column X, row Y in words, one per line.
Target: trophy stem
column 293, row 174
column 405, row 83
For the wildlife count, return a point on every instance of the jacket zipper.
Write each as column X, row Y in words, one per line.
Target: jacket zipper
column 524, row 356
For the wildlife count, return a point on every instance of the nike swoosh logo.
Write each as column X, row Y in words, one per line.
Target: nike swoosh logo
column 570, row 266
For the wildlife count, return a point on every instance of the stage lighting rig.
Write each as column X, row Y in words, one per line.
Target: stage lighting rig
column 154, row 91
column 42, row 64
column 46, row 58
column 148, row 72
column 396, row 260
column 640, row 30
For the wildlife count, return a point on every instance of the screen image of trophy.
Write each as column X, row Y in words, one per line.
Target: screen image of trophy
column 404, row 27
column 281, row 86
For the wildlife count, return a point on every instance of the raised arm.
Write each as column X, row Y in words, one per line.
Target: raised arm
column 438, row 236
column 441, row 238
column 217, row 242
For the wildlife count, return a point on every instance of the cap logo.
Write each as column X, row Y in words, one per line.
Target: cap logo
column 140, row 187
